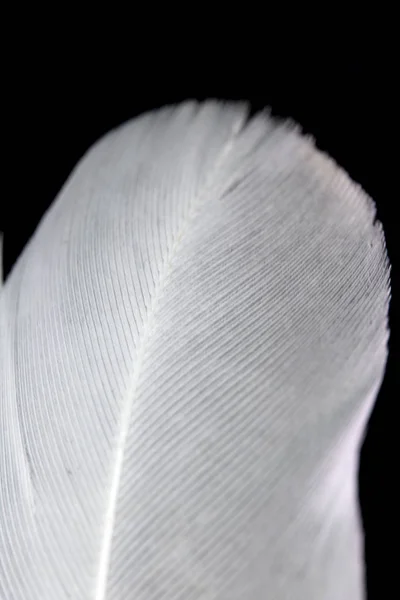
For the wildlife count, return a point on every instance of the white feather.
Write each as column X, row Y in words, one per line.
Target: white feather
column 191, row 344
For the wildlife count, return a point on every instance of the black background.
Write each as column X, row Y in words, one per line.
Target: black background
column 61, row 96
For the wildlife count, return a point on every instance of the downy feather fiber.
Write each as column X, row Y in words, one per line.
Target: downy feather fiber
column 191, row 345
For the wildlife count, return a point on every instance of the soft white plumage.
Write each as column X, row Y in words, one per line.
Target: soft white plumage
column 191, row 345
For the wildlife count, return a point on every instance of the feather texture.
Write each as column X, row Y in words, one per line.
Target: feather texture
column 191, row 344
